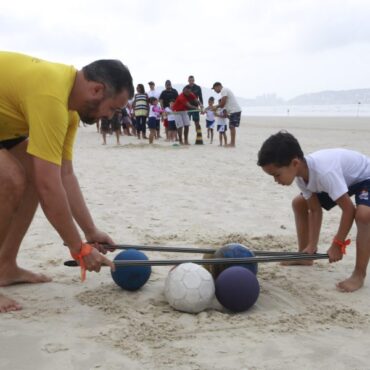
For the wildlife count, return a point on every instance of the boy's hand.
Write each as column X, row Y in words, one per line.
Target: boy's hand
column 334, row 253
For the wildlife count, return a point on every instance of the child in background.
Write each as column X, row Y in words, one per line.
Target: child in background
column 222, row 125
column 326, row 178
column 210, row 118
column 155, row 112
column 172, row 130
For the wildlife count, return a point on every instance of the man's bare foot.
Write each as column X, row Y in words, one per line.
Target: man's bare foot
column 354, row 282
column 297, row 263
column 18, row 275
column 8, row 304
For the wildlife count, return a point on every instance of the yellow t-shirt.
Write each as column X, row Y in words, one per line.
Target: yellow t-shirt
column 34, row 102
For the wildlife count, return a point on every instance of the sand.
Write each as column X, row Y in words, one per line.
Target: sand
column 195, row 196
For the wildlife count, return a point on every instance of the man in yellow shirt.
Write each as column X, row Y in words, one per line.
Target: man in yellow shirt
column 41, row 104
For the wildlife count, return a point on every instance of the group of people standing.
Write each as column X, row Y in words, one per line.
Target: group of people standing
column 148, row 109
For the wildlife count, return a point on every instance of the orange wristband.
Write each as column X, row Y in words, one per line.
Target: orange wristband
column 342, row 245
column 85, row 251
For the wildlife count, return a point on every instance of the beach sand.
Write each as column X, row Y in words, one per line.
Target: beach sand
column 194, row 196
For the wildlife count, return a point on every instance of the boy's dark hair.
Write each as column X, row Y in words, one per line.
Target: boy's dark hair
column 211, row 98
column 279, row 149
column 152, row 99
column 112, row 73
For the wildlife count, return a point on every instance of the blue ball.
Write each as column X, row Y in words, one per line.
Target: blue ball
column 131, row 277
column 236, row 250
column 237, row 288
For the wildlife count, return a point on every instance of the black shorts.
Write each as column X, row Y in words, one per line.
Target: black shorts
column 234, row 119
column 10, row 143
column 361, row 191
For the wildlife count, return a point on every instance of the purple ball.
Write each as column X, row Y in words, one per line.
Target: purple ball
column 237, row 288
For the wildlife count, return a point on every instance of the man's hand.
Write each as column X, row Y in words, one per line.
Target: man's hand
column 97, row 237
column 95, row 260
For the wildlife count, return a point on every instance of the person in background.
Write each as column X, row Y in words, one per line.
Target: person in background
column 184, row 102
column 140, row 107
column 155, row 112
column 210, row 118
column 229, row 102
column 197, row 91
column 172, row 130
column 153, row 93
column 221, row 116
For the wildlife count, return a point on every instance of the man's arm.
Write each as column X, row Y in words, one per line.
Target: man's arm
column 55, row 204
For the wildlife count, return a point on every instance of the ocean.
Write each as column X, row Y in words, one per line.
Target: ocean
column 340, row 110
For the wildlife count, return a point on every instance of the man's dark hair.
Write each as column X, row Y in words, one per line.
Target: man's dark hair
column 216, row 84
column 112, row 73
column 279, row 149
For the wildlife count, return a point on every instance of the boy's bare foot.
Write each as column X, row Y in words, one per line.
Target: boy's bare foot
column 297, row 263
column 18, row 275
column 7, row 304
column 354, row 282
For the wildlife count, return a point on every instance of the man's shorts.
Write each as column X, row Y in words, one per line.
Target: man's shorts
column 182, row 119
column 11, row 143
column 194, row 116
column 361, row 191
column 234, row 119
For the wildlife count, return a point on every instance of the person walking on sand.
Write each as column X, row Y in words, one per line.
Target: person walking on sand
column 41, row 104
column 326, row 178
column 229, row 102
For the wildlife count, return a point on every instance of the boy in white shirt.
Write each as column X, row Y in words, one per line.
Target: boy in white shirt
column 326, row 178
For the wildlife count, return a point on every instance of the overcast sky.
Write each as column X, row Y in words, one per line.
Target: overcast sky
column 287, row 47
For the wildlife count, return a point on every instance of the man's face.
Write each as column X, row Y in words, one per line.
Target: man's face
column 217, row 89
column 186, row 92
column 102, row 107
column 168, row 85
column 284, row 175
column 191, row 80
column 152, row 86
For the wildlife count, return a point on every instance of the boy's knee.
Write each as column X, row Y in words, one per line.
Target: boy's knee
column 299, row 204
column 362, row 216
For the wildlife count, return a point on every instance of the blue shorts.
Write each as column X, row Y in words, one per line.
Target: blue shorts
column 221, row 128
column 152, row 123
column 360, row 190
column 209, row 124
column 172, row 125
column 234, row 119
column 158, row 124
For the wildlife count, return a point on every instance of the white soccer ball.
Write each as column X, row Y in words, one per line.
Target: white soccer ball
column 189, row 288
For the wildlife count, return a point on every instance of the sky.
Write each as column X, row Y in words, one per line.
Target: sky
column 253, row 47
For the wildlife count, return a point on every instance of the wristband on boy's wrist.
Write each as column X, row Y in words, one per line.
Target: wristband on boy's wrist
column 342, row 245
column 85, row 250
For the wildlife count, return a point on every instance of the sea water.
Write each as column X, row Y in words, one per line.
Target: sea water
column 340, row 110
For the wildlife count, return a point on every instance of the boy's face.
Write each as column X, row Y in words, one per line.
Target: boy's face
column 283, row 175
